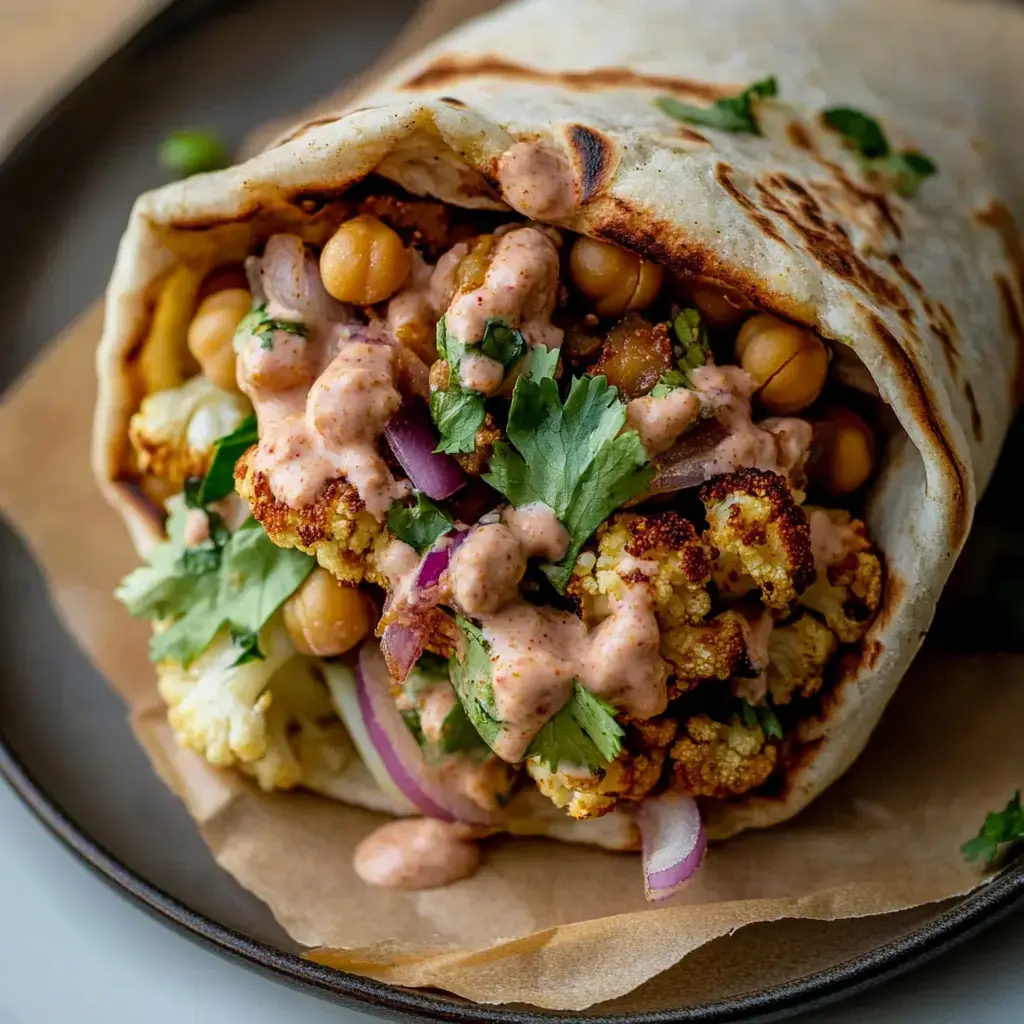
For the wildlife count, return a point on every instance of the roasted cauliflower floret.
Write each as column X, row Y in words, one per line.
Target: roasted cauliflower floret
column 758, row 531
column 630, row 777
column 174, row 431
column 848, row 589
column 721, row 759
column 716, row 649
column 335, row 528
column 218, row 708
column 476, row 461
column 304, row 738
column 661, row 552
column 797, row 655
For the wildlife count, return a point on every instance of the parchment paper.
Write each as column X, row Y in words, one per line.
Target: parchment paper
column 554, row 925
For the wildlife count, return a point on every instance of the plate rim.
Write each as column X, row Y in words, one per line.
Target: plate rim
column 970, row 915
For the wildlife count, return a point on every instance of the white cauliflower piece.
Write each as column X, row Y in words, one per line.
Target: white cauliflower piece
column 797, row 656
column 217, row 708
column 174, row 431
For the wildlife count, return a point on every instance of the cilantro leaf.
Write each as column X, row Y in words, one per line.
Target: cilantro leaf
column 458, row 412
column 257, row 323
column 571, row 457
column 471, row 676
column 730, row 114
column 419, row 525
column 220, row 477
column 584, row 732
column 502, row 343
column 458, row 733
column 458, row 415
column 238, row 580
column 249, row 642
column 692, row 336
column 1005, row 826
column 906, row 170
column 541, row 362
column 761, row 716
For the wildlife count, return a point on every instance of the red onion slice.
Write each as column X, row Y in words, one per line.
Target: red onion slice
column 688, row 463
column 673, row 842
column 398, row 750
column 290, row 277
column 412, row 437
column 401, row 647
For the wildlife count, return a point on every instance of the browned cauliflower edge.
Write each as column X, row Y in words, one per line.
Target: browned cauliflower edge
column 335, row 528
column 757, row 529
column 721, row 759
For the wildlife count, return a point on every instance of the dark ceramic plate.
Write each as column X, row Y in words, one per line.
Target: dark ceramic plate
column 68, row 186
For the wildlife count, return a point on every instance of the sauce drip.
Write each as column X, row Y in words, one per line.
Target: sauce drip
column 417, row 853
column 519, row 288
column 321, row 400
column 538, row 181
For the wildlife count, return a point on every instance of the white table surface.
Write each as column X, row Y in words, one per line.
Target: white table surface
column 72, row 951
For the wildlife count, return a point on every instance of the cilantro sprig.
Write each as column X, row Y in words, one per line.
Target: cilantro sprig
column 730, row 114
column 257, row 323
column 571, row 456
column 458, row 412
column 692, row 336
column 761, row 716
column 419, row 525
column 906, row 169
column 1000, row 828
column 584, row 732
column 219, row 481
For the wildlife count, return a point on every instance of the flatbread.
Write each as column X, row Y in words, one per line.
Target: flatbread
column 927, row 293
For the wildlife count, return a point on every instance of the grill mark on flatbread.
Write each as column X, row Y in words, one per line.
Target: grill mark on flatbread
column 997, row 215
column 920, row 404
column 690, row 135
column 799, row 136
column 453, row 101
column 827, row 240
column 972, row 401
column 724, row 177
column 594, row 159
column 446, row 70
column 317, row 122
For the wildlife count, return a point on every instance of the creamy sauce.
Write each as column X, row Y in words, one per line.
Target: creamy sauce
column 442, row 280
column 417, row 853
column 398, row 561
column 538, row 181
column 481, row 373
column 538, row 530
column 780, row 444
column 486, row 570
column 519, row 288
column 410, row 313
column 832, row 542
column 434, row 703
column 660, row 421
column 321, row 401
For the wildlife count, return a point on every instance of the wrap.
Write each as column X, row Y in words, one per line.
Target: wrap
column 925, row 293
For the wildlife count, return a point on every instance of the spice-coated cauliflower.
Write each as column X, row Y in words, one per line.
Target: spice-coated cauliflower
column 335, row 528
column 630, row 777
column 721, row 759
column 760, row 536
column 797, row 655
column 661, row 551
column 174, row 431
column 716, row 649
column 848, row 589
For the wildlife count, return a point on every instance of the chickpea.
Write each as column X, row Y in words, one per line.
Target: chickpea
column 212, row 331
column 843, row 453
column 788, row 363
column 717, row 303
column 364, row 261
column 324, row 617
column 617, row 280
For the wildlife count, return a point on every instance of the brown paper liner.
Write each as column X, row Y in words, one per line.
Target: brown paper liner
column 565, row 927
